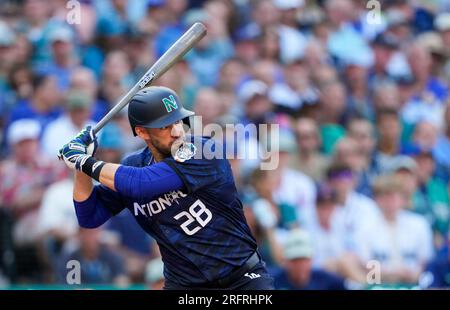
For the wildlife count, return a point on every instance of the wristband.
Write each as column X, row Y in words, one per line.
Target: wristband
column 92, row 167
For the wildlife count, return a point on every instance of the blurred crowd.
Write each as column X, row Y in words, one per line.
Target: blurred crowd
column 361, row 192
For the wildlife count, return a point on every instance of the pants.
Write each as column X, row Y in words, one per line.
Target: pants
column 255, row 278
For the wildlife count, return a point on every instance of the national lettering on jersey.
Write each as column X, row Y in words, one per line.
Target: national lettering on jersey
column 201, row 229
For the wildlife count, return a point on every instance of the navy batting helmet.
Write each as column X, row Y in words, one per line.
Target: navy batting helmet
column 156, row 107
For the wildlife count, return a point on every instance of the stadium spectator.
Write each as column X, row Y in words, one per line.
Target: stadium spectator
column 298, row 273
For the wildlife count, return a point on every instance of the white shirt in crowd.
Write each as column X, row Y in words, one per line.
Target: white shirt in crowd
column 350, row 220
column 57, row 211
column 407, row 242
column 298, row 190
column 327, row 245
column 58, row 133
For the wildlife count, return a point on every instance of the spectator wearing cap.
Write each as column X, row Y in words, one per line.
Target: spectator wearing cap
column 24, row 176
column 254, row 105
column 269, row 215
column 431, row 198
column 400, row 240
column 64, row 59
column 296, row 90
column 114, row 20
column 348, row 152
column 154, row 274
column 155, row 17
column 57, row 224
column 430, row 94
column 99, row 263
column 295, row 188
column 250, row 43
column 390, row 62
column 399, row 25
column 37, row 25
column 77, row 116
column 356, row 71
column 326, row 243
column 442, row 25
column 389, row 147
column 292, row 41
column 434, row 44
column 354, row 211
column 264, row 15
column 298, row 272
column 344, row 40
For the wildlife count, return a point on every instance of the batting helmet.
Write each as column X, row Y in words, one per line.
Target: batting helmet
column 156, row 107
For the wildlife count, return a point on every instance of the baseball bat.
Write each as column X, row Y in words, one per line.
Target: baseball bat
column 167, row 60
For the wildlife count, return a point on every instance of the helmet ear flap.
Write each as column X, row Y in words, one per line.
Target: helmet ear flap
column 187, row 121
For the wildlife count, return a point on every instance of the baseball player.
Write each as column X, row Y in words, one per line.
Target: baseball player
column 190, row 206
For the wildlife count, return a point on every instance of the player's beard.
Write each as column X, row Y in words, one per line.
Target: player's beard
column 166, row 150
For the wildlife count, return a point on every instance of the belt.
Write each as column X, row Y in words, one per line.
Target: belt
column 238, row 273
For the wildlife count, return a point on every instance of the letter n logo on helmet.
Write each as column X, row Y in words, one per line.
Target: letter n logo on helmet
column 170, row 103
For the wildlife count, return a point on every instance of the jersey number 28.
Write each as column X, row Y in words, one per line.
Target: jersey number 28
column 198, row 214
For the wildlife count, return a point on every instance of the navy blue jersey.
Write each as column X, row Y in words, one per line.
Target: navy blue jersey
column 201, row 229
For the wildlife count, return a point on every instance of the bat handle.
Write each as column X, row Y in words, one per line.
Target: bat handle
column 116, row 109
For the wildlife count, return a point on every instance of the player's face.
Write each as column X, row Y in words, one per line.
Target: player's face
column 166, row 138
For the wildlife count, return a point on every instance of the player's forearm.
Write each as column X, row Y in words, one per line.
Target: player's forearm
column 82, row 186
column 108, row 174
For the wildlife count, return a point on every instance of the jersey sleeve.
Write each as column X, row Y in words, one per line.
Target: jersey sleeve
column 145, row 183
column 110, row 200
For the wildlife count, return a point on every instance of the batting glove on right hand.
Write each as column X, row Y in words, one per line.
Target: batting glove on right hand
column 84, row 143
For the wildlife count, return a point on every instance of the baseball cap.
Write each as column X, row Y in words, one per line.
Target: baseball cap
column 7, row 36
column 77, row 100
column 404, row 163
column 252, row 88
column 288, row 4
column 442, row 22
column 413, row 149
column 386, row 40
column 62, row 34
column 325, row 194
column 23, row 129
column 433, row 42
column 154, row 271
column 297, row 245
column 396, row 17
column 155, row 3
